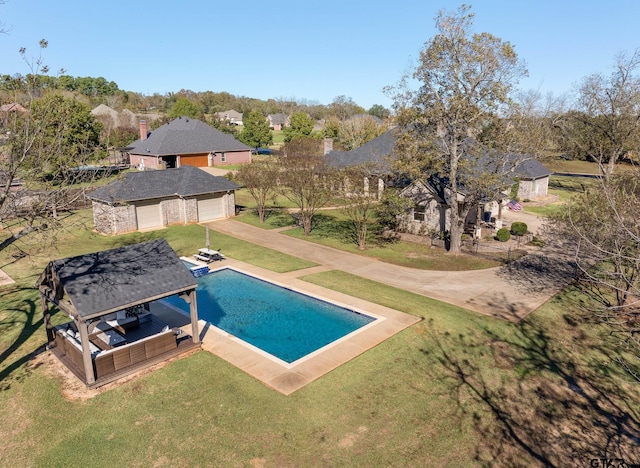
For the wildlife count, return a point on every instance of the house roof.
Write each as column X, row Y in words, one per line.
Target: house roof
column 114, row 279
column 532, row 169
column 278, row 119
column 125, row 118
column 375, row 151
column 185, row 181
column 185, row 135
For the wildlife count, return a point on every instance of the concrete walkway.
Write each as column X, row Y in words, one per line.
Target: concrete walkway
column 491, row 292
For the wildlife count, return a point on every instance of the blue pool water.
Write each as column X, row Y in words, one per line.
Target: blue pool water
column 282, row 322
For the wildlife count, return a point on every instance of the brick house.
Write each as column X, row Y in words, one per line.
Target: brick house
column 185, row 142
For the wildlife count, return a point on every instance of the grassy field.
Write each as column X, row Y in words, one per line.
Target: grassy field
column 564, row 187
column 457, row 389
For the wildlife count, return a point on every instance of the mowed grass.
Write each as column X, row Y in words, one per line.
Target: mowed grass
column 456, row 389
column 333, row 229
column 564, row 187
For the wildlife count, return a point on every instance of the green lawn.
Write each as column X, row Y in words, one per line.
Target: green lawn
column 564, row 187
column 456, row 389
column 333, row 229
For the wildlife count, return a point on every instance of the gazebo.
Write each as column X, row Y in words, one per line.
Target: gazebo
column 110, row 297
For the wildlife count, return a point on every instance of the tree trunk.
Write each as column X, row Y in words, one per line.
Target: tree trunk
column 455, row 234
column 362, row 236
column 306, row 224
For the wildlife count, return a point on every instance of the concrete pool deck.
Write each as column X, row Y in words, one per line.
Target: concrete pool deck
column 287, row 378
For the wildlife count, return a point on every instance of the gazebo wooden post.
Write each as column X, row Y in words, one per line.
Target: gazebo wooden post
column 83, row 328
column 193, row 312
column 46, row 314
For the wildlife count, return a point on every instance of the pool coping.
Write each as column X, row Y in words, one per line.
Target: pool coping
column 287, row 378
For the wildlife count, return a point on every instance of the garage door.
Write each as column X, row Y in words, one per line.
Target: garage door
column 148, row 215
column 197, row 160
column 210, row 208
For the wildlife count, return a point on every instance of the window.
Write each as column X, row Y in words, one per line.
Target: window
column 223, row 157
column 418, row 213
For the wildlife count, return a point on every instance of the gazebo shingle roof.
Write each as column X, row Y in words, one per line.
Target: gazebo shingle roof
column 121, row 277
column 184, row 181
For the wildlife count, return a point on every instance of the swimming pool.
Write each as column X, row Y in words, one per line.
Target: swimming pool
column 284, row 323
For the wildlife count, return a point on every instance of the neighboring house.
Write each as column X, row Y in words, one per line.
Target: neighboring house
column 109, row 298
column 154, row 199
column 186, row 142
column 431, row 212
column 111, row 118
column 278, row 121
column 232, row 116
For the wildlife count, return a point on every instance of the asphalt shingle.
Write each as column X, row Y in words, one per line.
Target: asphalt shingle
column 145, row 185
column 119, row 277
column 185, row 135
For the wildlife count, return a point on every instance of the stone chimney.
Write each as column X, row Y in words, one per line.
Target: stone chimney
column 143, row 129
column 328, row 145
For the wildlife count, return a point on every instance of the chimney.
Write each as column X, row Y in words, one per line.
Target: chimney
column 143, row 129
column 328, row 145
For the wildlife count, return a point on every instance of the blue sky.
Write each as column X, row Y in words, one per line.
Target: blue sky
column 313, row 50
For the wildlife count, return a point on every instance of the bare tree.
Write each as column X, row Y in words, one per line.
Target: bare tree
column 603, row 222
column 260, row 178
column 355, row 132
column 46, row 144
column 610, row 111
column 359, row 200
column 307, row 182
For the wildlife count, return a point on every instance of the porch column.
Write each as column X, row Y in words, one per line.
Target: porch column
column 83, row 328
column 193, row 312
column 46, row 314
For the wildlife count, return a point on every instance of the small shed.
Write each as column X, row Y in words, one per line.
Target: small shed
column 155, row 199
column 533, row 179
column 107, row 295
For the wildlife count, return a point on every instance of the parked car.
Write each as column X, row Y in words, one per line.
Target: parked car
column 261, row 151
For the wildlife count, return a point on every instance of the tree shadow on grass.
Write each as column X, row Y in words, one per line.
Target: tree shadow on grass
column 537, row 400
column 329, row 226
column 12, row 360
column 552, row 268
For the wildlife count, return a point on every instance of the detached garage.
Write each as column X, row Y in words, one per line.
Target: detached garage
column 154, row 199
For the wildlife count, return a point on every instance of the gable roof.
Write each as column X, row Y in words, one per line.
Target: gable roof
column 185, row 135
column 375, row 152
column 125, row 118
column 232, row 115
column 110, row 280
column 184, row 181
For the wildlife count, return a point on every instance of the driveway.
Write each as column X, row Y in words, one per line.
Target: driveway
column 508, row 294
